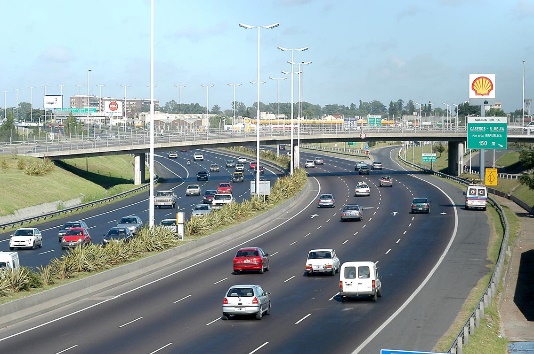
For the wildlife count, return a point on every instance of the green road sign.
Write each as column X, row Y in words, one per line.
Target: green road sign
column 374, row 120
column 487, row 132
column 428, row 157
column 352, row 143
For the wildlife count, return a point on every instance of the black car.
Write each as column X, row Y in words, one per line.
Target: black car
column 117, row 234
column 202, row 176
column 363, row 170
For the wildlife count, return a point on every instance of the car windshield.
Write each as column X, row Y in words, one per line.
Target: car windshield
column 168, row 222
column 116, row 232
column 320, row 255
column 24, row 232
column 420, row 200
column 326, row 196
column 247, row 253
column 193, row 187
column 71, row 224
column 240, row 292
column 224, row 185
column 74, row 233
column 128, row 221
column 210, row 192
column 351, row 207
column 202, row 207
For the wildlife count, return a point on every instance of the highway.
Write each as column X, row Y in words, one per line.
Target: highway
column 177, row 309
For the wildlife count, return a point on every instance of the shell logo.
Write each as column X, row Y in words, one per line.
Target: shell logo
column 482, row 86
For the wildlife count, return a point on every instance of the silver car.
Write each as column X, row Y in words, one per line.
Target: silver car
column 201, row 210
column 351, row 212
column 70, row 224
column 192, row 189
column 132, row 222
column 246, row 300
column 326, row 200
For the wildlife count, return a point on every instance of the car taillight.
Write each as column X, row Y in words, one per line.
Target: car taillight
column 413, row 205
column 373, row 284
column 340, row 285
column 308, row 266
column 225, row 301
column 255, row 301
column 329, row 266
column 343, row 214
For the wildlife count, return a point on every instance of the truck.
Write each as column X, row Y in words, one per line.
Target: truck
column 9, row 261
column 165, row 199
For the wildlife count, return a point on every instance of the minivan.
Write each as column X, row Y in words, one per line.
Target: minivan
column 476, row 197
column 359, row 279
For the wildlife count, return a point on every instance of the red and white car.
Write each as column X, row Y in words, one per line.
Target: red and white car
column 224, row 188
column 251, row 259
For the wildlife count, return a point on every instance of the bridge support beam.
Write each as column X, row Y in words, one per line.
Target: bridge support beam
column 139, row 168
column 455, row 156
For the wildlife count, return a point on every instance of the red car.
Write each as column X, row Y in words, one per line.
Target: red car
column 224, row 188
column 253, row 164
column 74, row 237
column 251, row 258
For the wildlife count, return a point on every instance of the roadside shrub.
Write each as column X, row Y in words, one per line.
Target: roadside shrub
column 39, row 168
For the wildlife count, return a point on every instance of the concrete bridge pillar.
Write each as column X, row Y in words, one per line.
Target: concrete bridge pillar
column 454, row 155
column 139, row 168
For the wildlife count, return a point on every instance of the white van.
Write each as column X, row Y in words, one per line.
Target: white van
column 359, row 279
column 9, row 261
column 476, row 197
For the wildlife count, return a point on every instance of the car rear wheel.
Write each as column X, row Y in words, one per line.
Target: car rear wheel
column 268, row 312
column 375, row 297
column 259, row 314
column 224, row 317
column 262, row 269
column 333, row 273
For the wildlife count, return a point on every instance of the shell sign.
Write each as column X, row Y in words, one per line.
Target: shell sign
column 482, row 86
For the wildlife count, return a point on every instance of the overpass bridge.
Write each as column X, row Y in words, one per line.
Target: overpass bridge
column 138, row 143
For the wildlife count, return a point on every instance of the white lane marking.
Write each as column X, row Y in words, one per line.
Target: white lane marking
column 185, row 297
column 345, row 241
column 308, row 234
column 388, row 251
column 395, row 213
column 327, row 220
column 398, row 241
column 69, row 348
column 364, row 225
column 333, row 297
column 374, row 213
column 303, row 318
column 161, row 348
column 168, row 275
column 220, row 281
column 292, row 243
column 410, row 224
column 404, row 233
column 318, row 227
column 288, row 279
column 46, row 252
column 371, row 218
column 132, row 321
column 355, row 233
column 314, row 215
column 272, row 254
column 212, row 322
column 258, row 348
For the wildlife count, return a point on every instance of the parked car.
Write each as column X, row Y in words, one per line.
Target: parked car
column 132, row 222
column 239, row 167
column 230, row 163
column 246, row 300
column 71, row 224
column 207, row 198
column 214, row 167
column 220, row 200
column 224, row 188
column 362, row 190
column 322, row 260
column 238, row 176
column 420, row 205
column 359, row 279
column 326, row 200
column 386, row 181
column 318, row 161
column 116, row 234
column 169, row 224
column 74, row 237
column 201, row 210
column 173, row 155
column 364, row 170
column 26, row 237
column 192, row 189
column 202, row 176
column 309, row 164
column 251, row 259
column 377, row 165
column 198, row 156
column 351, row 212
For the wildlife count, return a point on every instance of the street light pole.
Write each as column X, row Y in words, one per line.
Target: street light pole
column 456, row 123
column 100, row 97
column 292, row 108
column 61, row 93
column 278, row 94
column 523, row 102
column 124, row 113
column 17, row 96
column 44, row 108
column 299, row 118
column 258, row 81
column 443, row 125
column 233, row 105
column 207, row 86
column 88, row 103
column 179, row 97
column 5, row 107
column 31, row 103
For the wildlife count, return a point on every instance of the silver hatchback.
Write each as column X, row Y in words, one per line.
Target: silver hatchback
column 246, row 300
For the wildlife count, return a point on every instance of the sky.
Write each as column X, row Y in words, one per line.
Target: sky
column 419, row 50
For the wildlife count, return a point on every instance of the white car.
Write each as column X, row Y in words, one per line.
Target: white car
column 362, row 190
column 220, row 200
column 192, row 189
column 309, row 164
column 169, row 224
column 201, row 210
column 377, row 165
column 239, row 167
column 173, row 155
column 27, row 237
column 323, row 260
column 198, row 156
column 246, row 300
column 242, row 159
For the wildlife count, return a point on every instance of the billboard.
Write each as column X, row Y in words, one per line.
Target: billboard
column 113, row 107
column 482, row 86
column 53, row 101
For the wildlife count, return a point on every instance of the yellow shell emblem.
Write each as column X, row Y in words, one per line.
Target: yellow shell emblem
column 482, row 86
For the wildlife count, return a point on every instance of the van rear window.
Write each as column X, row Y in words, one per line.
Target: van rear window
column 350, row 273
column 364, row 272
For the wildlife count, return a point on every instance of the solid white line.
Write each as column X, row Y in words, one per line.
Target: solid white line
column 258, row 348
column 132, row 321
column 388, row 251
column 303, row 318
column 69, row 348
column 220, row 281
column 168, row 275
column 157, row 350
column 185, row 297
column 288, row 279
column 212, row 322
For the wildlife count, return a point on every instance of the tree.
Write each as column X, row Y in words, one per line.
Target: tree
column 495, row 112
column 526, row 157
column 439, row 148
